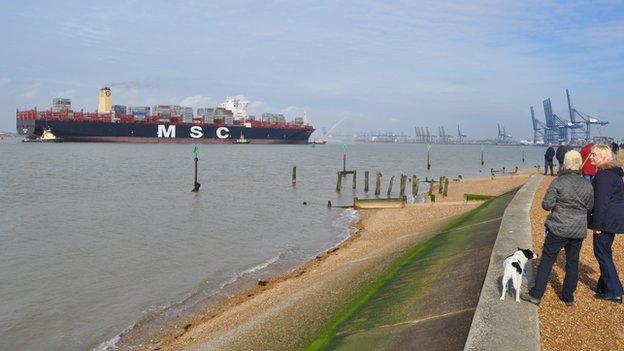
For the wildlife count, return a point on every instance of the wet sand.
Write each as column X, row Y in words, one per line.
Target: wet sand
column 286, row 312
column 590, row 324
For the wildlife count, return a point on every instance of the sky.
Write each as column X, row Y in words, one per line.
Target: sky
column 383, row 66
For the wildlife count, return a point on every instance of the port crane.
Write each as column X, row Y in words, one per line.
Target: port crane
column 585, row 118
column 460, row 135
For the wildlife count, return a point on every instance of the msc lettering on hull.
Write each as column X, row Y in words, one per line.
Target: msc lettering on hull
column 195, row 132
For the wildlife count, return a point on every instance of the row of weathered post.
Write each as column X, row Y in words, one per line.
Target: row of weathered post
column 403, row 180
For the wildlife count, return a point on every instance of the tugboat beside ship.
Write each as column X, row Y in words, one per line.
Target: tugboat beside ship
column 46, row 137
column 228, row 123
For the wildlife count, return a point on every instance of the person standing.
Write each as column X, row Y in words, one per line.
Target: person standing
column 588, row 170
column 548, row 160
column 615, row 147
column 569, row 199
column 606, row 219
column 560, row 154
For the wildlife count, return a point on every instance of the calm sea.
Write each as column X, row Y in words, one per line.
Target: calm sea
column 94, row 237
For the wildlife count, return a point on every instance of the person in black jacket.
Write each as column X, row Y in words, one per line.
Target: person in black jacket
column 548, row 160
column 569, row 199
column 560, row 154
column 607, row 218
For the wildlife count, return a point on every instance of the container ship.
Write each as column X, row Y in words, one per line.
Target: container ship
column 161, row 124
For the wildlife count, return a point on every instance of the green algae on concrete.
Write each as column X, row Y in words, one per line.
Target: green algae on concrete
column 426, row 300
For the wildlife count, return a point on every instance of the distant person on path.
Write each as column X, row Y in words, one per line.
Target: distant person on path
column 607, row 218
column 588, row 170
column 548, row 160
column 560, row 154
column 569, row 199
column 615, row 148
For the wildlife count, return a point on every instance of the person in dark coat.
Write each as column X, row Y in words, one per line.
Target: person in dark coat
column 607, row 219
column 569, row 199
column 560, row 154
column 548, row 160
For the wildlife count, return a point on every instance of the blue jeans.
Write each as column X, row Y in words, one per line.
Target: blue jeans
column 552, row 245
column 609, row 282
column 588, row 178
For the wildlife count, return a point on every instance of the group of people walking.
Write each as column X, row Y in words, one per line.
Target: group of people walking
column 587, row 194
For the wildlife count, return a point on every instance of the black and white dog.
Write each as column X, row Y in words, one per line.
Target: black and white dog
column 513, row 267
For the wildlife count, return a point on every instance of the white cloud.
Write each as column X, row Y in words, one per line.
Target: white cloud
column 293, row 111
column 196, row 101
column 69, row 93
column 31, row 91
column 256, row 107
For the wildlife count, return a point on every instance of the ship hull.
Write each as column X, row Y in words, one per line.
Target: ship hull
column 86, row 131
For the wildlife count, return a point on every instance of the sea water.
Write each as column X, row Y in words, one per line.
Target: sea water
column 95, row 237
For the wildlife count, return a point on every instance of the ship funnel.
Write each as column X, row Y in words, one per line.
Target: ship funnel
column 105, row 104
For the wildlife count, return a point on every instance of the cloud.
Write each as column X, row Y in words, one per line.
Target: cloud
column 147, row 82
column 256, row 107
column 293, row 111
column 196, row 101
column 31, row 91
column 69, row 93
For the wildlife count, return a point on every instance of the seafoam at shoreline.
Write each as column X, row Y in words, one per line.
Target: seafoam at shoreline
column 345, row 225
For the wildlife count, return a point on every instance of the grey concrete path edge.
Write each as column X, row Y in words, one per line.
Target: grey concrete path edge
column 507, row 325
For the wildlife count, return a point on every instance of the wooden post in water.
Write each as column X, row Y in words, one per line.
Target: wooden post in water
column 339, row 181
column 390, row 186
column 482, row 161
column 522, row 155
column 415, row 183
column 196, row 184
column 294, row 175
column 344, row 162
column 378, row 184
column 446, row 183
column 428, row 159
column 403, row 184
column 365, row 181
column 354, row 178
column 430, row 187
column 440, row 185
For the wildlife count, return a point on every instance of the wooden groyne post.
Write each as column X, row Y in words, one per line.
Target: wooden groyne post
column 403, row 185
column 353, row 186
column 390, row 186
column 428, row 156
column 415, row 183
column 339, row 181
column 446, row 183
column 378, row 184
column 196, row 184
column 294, row 175
column 482, row 161
column 441, row 185
column 365, row 181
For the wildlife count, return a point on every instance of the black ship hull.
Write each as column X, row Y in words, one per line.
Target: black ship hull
column 87, row 131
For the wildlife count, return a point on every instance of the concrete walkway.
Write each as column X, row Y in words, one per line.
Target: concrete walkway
column 507, row 325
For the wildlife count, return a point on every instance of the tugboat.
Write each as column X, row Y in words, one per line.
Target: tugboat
column 242, row 140
column 46, row 137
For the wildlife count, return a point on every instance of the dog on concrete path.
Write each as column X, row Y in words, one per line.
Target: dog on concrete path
column 513, row 267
